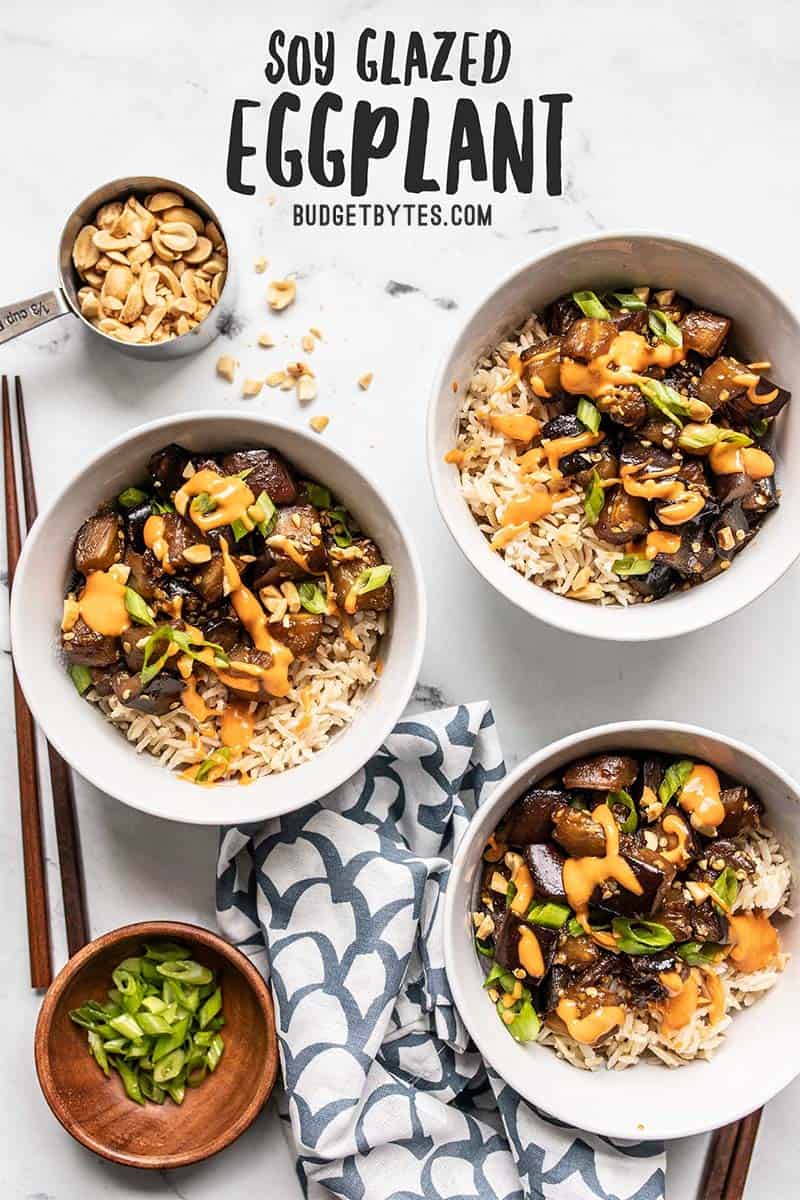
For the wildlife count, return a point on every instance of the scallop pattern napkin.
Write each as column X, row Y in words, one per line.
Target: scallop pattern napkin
column 341, row 904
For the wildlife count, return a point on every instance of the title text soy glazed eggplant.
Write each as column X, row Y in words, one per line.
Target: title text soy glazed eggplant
column 143, row 263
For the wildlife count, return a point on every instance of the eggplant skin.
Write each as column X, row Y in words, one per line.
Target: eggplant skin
column 546, row 864
column 83, row 647
column 742, row 811
column 623, row 518
column 530, row 819
column 99, row 543
column 704, row 332
column 651, row 877
column 602, row 772
column 506, row 942
column 577, row 833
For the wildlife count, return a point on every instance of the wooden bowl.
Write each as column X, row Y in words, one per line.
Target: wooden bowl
column 96, row 1111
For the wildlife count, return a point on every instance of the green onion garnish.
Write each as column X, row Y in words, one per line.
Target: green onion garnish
column 664, row 328
column 623, row 798
column 574, row 927
column 159, row 1027
column 82, row 678
column 511, row 892
column 665, row 399
column 675, row 777
column 162, row 506
column 732, row 437
column 629, row 301
column 138, row 609
column 760, row 426
column 726, row 887
column 184, row 642
column 631, row 564
column 640, row 937
column 239, row 529
column 318, row 494
column 594, row 500
column 590, row 305
column 548, row 913
column 486, row 951
column 266, row 526
column 371, row 579
column 499, row 977
column 219, row 758
column 312, row 597
column 341, row 528
column 699, row 954
column 131, row 497
column 525, row 1026
column 203, row 503
column 587, row 414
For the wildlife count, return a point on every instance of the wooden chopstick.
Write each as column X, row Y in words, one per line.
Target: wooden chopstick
column 41, row 966
column 69, row 852
column 729, row 1158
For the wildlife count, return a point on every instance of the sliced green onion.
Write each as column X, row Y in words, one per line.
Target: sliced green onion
column 214, row 1052
column 218, row 758
column 239, row 529
column 131, row 497
column 486, row 951
column 594, row 500
column 500, row 977
column 675, row 777
column 184, row 641
column 169, row 1066
column 244, row 474
column 210, row 1008
column 629, row 301
column 726, row 887
column 699, row 954
column 631, row 822
column 318, row 494
column 760, row 426
column 590, row 305
column 525, row 1026
column 664, row 328
column 130, row 1080
column 640, row 937
column 98, row 1052
column 698, row 437
column 371, row 579
column 312, row 597
column 165, row 952
column 574, row 927
column 632, row 564
column 150, row 1090
column 511, row 892
column 82, row 678
column 138, row 609
column 162, row 506
column 127, row 1026
column 266, row 526
column 203, row 503
column 341, row 528
column 549, row 914
column 732, row 437
column 663, row 397
column 588, row 415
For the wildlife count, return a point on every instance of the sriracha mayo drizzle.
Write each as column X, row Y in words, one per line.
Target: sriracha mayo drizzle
column 628, row 356
column 594, row 1025
column 755, row 942
column 582, row 875
column 700, row 798
column 102, row 605
column 230, row 495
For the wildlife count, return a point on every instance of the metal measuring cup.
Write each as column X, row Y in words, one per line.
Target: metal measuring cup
column 25, row 315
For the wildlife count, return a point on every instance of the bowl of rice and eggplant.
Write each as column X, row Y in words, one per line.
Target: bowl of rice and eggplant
column 239, row 606
column 621, row 908
column 615, row 445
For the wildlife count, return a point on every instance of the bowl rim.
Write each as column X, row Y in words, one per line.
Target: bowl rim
column 559, row 616
column 399, row 697
column 194, row 934
column 596, row 1119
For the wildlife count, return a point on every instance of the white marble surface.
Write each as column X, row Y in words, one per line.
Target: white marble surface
column 683, row 120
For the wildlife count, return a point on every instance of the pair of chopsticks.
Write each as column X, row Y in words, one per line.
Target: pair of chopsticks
column 729, row 1159
column 69, row 858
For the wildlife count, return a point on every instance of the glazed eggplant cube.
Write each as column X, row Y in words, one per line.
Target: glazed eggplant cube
column 267, row 471
column 160, row 695
column 555, row 984
column 742, row 810
column 545, row 863
column 744, row 408
column 642, row 973
column 574, row 464
column 587, row 338
column 296, row 544
column 530, row 819
column 736, row 486
column 301, row 632
column 652, row 876
column 731, row 531
column 135, row 520
column 166, row 468
column 721, row 381
column 625, row 406
column 559, row 315
column 507, row 933
column 704, row 331
column 651, row 460
column 602, row 772
column 83, row 647
column 543, row 359
column 623, row 518
column 179, row 535
column 566, row 425
column 99, row 543
column 344, row 573
column 577, row 833
column 660, row 432
column 763, row 497
column 625, row 318
column 145, row 572
column 693, row 557
column 659, row 580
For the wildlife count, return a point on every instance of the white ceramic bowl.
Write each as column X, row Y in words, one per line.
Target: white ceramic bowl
column 96, row 748
column 761, row 1053
column 764, row 326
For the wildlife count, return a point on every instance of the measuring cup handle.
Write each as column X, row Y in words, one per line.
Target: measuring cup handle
column 27, row 314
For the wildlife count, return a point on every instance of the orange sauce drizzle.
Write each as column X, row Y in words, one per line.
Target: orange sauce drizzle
column 454, row 456
column 700, row 798
column 154, row 539
column 102, row 605
column 193, row 702
column 681, row 1006
column 679, row 853
column 530, row 953
column 275, row 677
column 524, row 509
column 735, row 460
column 714, row 989
column 238, row 725
column 594, row 1025
column 523, row 882
column 493, row 850
column 559, row 448
column 518, row 426
column 683, row 503
column 582, row 875
column 755, row 942
column 504, row 536
column 628, row 356
column 659, row 542
column 231, row 495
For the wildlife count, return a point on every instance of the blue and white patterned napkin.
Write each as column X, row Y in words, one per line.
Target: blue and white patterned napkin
column 342, row 904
